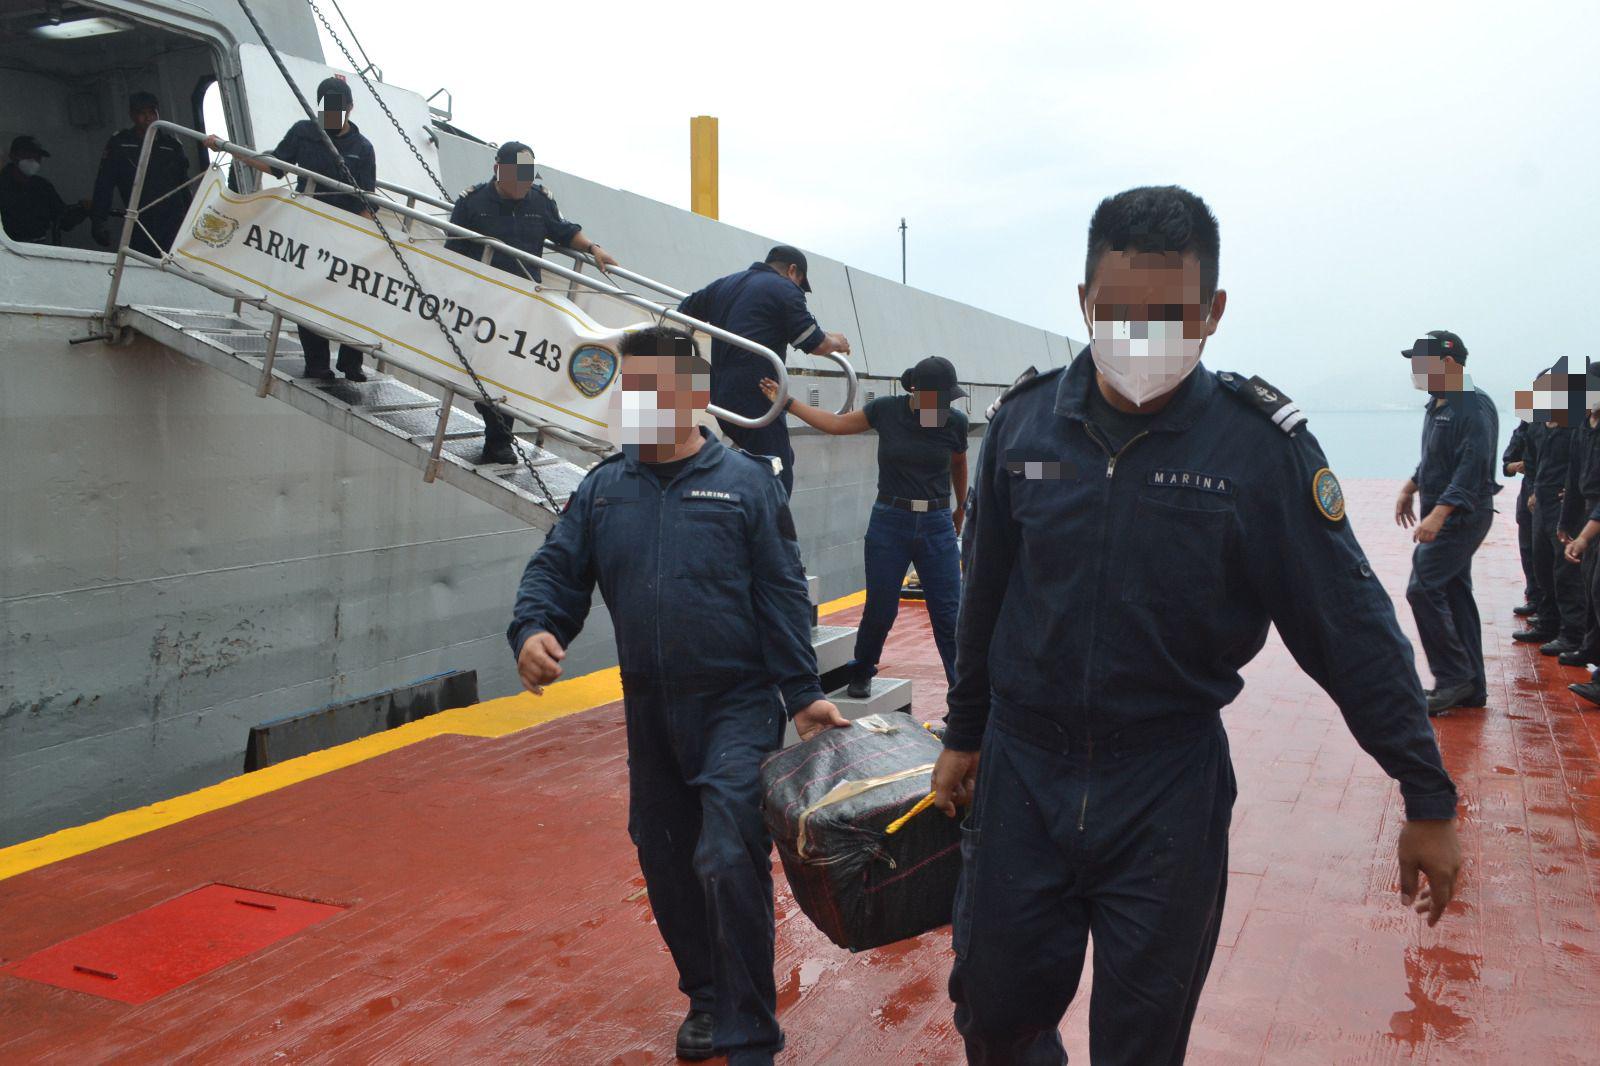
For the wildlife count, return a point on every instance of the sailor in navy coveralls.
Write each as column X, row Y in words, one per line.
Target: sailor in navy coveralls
column 694, row 550
column 1142, row 521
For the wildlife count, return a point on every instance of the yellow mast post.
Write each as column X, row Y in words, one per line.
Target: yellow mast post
column 703, row 165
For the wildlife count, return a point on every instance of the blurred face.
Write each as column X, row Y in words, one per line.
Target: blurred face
column 335, row 112
column 1556, row 400
column 1148, row 320
column 658, row 400
column 144, row 117
column 932, row 407
column 515, row 180
column 1433, row 373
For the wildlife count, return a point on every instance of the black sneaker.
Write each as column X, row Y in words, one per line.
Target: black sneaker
column 1587, row 689
column 317, row 373
column 354, row 375
column 1443, row 700
column 497, row 456
column 860, row 688
column 1558, row 646
column 694, row 1037
column 1523, row 610
column 1533, row 636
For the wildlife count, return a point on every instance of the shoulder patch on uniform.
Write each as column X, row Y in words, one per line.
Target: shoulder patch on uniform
column 772, row 462
column 470, row 189
column 1327, row 495
column 1267, row 399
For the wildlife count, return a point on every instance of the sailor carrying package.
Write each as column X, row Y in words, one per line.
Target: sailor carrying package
column 829, row 804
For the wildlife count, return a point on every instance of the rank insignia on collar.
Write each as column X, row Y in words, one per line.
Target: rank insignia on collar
column 1327, row 494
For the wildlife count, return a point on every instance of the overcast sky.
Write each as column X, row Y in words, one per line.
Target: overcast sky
column 1378, row 169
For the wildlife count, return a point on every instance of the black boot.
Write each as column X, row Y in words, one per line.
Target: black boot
column 1533, row 634
column 1589, row 690
column 1523, row 610
column 694, row 1037
column 1445, row 698
column 860, row 687
column 1577, row 657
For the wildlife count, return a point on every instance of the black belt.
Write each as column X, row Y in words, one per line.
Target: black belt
column 913, row 505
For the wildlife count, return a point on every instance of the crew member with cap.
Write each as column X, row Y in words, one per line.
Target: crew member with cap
column 694, row 551
column 1142, row 523
column 30, row 208
column 514, row 210
column 1513, row 463
column 922, row 458
column 1455, row 478
column 765, row 304
column 305, row 147
column 167, row 172
column 1557, row 625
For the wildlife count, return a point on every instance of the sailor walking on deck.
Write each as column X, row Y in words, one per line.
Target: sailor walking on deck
column 1580, row 522
column 513, row 209
column 922, row 459
column 303, row 146
column 694, row 551
column 1455, row 478
column 1141, row 523
column 765, row 304
column 1557, row 624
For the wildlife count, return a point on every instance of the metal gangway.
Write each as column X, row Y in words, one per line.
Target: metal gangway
column 406, row 408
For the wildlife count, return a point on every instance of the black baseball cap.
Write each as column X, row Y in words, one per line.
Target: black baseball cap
column 508, row 152
column 935, row 372
column 140, row 101
column 787, row 255
column 27, row 143
column 1440, row 342
column 334, row 90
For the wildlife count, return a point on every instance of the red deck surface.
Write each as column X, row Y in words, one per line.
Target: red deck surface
column 496, row 912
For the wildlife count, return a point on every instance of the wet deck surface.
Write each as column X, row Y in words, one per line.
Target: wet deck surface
column 496, row 914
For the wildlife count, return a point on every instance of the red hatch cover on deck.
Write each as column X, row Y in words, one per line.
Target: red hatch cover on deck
column 143, row 955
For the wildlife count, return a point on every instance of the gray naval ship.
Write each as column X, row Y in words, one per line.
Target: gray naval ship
column 197, row 541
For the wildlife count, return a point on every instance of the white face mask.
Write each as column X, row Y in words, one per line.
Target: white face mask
column 1143, row 360
column 30, row 167
column 637, row 418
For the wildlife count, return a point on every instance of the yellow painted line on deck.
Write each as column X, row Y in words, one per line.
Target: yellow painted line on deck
column 492, row 718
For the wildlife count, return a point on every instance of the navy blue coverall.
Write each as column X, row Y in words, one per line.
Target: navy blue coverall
column 1459, row 434
column 1580, row 506
column 168, row 171
column 713, row 623
column 1517, row 452
column 523, row 224
column 304, row 147
column 1561, row 611
column 1111, row 602
column 761, row 305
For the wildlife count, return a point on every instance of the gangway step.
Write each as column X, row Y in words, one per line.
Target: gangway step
column 888, row 694
column 383, row 411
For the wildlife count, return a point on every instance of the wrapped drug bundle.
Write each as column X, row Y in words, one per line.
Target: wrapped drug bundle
column 829, row 804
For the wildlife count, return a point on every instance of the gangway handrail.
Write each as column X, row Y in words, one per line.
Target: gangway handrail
column 661, row 287
column 135, row 197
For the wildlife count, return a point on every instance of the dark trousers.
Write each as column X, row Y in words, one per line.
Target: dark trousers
column 1125, row 844
column 694, row 813
column 316, row 349
column 1589, row 573
column 1440, row 594
column 1562, row 600
column 1530, row 586
column 770, row 439
column 496, row 430
column 895, row 540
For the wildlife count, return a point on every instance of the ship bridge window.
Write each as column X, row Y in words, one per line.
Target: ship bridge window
column 66, row 73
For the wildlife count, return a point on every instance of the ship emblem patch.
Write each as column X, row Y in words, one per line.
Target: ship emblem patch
column 592, row 369
column 1328, row 495
column 215, row 228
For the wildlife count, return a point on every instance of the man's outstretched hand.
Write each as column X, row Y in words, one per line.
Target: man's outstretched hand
column 811, row 720
column 1429, row 847
column 539, row 662
column 954, row 776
